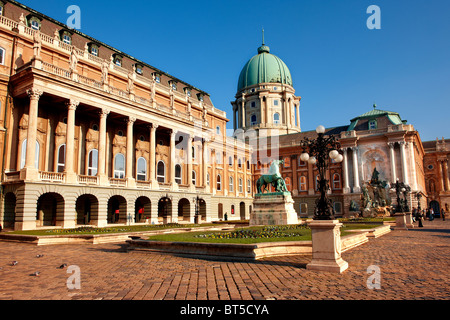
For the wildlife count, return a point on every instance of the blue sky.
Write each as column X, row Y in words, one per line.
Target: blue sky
column 339, row 67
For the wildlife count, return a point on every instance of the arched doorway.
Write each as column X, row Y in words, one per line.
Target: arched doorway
column 117, row 209
column 165, row 210
column 242, row 210
column 220, row 211
column 9, row 210
column 202, row 209
column 184, row 210
column 86, row 207
column 49, row 206
column 142, row 209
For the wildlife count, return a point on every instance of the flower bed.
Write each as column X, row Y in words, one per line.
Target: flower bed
column 266, row 233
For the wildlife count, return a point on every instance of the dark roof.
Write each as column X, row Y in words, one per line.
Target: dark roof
column 62, row 25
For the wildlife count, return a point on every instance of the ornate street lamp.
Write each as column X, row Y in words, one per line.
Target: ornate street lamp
column 418, row 197
column 399, row 188
column 321, row 150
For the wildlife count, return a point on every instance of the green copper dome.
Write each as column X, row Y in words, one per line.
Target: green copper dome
column 262, row 68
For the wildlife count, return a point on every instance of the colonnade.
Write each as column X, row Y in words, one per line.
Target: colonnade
column 30, row 172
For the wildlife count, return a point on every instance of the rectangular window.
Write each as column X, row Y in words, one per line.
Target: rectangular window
column 67, row 39
column 275, row 102
column 303, row 208
column 337, row 207
column 34, row 25
column 2, row 56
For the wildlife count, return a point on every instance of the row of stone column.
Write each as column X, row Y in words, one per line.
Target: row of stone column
column 287, row 110
column 29, row 171
column 404, row 164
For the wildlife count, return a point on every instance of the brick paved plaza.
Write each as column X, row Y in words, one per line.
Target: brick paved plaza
column 414, row 264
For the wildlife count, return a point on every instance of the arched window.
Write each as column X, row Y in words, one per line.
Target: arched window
column 241, row 189
column 218, row 130
column 161, row 172
column 295, row 115
column 336, row 181
column 287, row 181
column 61, row 162
column 178, row 173
column 207, row 179
column 276, row 118
column 92, row 162
column 230, row 161
column 253, row 120
column 302, row 183
column 219, row 183
column 231, row 187
column 24, row 155
column 194, row 177
column 141, row 169
column 239, row 163
column 193, row 152
column 249, row 186
column 119, row 166
column 287, row 162
column 248, row 164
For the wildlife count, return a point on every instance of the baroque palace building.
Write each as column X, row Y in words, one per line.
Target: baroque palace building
column 93, row 136
column 267, row 117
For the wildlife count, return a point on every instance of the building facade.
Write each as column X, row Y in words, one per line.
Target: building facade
column 92, row 136
column 377, row 139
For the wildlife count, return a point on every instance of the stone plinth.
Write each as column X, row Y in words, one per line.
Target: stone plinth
column 400, row 221
column 326, row 246
column 273, row 209
column 409, row 220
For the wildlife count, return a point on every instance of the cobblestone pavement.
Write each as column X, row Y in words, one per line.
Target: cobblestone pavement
column 413, row 264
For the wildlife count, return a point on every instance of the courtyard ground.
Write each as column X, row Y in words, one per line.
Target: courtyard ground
column 413, row 264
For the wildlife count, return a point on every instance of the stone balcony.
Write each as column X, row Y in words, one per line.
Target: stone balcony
column 60, row 178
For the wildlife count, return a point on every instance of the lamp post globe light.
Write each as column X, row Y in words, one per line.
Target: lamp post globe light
column 320, row 151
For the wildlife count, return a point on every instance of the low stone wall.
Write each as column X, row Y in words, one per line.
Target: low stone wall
column 99, row 238
column 224, row 250
column 252, row 251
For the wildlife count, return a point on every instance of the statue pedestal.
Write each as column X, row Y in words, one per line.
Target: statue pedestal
column 273, row 209
column 326, row 246
column 409, row 220
column 400, row 221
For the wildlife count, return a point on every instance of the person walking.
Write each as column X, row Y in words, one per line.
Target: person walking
column 431, row 218
column 443, row 214
column 419, row 218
